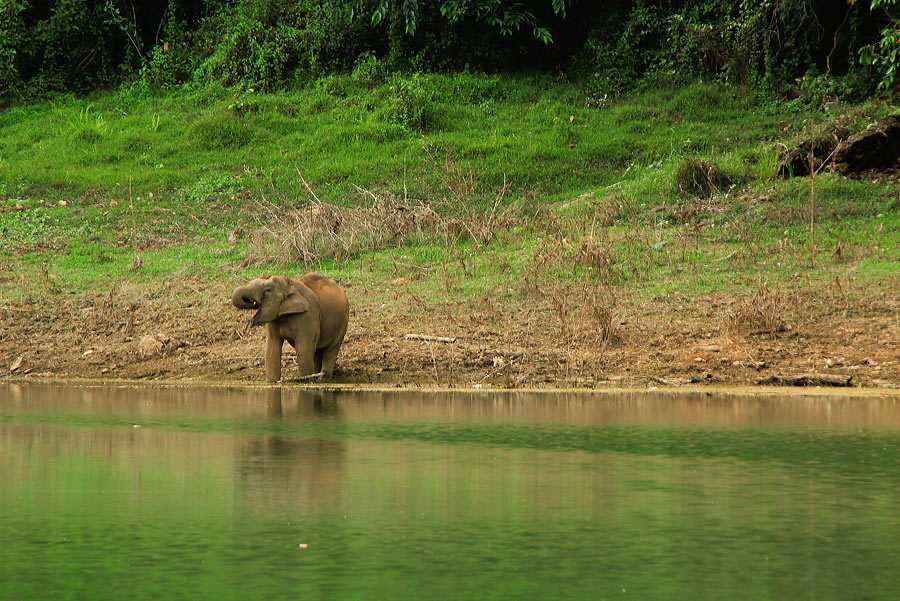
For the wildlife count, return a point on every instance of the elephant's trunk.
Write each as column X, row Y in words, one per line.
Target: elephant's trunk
column 245, row 297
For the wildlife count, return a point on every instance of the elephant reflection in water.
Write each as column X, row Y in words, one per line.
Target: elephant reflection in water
column 297, row 473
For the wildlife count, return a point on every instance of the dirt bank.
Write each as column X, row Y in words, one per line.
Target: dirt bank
column 187, row 330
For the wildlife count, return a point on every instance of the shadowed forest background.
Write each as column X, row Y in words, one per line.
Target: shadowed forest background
column 844, row 49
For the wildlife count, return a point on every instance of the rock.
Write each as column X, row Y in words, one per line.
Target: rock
column 795, row 162
column 17, row 364
column 149, row 346
column 878, row 147
column 710, row 348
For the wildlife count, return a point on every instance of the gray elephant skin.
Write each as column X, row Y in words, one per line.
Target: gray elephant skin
column 310, row 312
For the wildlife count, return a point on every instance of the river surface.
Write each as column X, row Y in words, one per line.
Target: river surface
column 135, row 493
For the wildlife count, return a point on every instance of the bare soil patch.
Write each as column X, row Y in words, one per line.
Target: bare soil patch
column 188, row 330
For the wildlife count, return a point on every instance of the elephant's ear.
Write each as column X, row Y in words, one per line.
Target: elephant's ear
column 293, row 303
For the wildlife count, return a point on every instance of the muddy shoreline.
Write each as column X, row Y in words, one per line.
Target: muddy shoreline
column 721, row 391
column 177, row 335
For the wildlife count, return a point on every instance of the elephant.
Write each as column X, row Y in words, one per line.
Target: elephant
column 311, row 313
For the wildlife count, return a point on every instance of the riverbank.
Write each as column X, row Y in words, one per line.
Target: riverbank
column 641, row 241
column 666, row 341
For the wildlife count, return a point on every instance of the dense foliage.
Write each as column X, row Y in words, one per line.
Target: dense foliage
column 833, row 48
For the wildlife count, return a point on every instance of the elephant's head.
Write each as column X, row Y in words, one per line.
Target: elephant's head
column 270, row 298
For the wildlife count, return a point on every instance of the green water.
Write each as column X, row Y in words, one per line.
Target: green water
column 213, row 493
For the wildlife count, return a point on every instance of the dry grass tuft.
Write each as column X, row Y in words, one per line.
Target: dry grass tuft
column 764, row 309
column 700, row 178
column 322, row 231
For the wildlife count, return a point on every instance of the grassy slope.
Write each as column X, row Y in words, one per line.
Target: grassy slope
column 591, row 198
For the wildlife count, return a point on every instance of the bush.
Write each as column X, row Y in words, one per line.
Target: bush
column 259, row 45
column 76, row 45
column 369, row 71
column 10, row 38
column 700, row 178
column 412, row 105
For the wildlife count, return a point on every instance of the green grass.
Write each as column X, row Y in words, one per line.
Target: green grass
column 213, row 158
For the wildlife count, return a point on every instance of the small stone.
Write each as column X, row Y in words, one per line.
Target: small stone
column 19, row 206
column 113, row 203
column 699, row 360
column 17, row 364
column 87, row 353
column 149, row 346
column 710, row 348
column 64, row 203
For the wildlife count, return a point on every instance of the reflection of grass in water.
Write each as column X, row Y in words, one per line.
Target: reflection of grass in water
column 864, row 450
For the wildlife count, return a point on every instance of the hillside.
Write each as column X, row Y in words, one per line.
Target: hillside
column 563, row 237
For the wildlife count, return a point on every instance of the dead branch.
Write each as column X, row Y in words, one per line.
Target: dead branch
column 427, row 338
column 311, row 377
column 807, row 380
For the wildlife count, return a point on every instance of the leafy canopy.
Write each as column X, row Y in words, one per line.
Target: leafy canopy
column 506, row 15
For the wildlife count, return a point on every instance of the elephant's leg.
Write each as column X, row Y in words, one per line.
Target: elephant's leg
column 306, row 356
column 306, row 361
column 318, row 360
column 330, row 353
column 274, row 342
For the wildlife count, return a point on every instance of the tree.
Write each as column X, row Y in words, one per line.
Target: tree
column 884, row 54
column 508, row 16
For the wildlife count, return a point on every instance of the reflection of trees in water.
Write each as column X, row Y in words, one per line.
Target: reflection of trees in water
column 626, row 407
column 293, row 473
column 212, row 402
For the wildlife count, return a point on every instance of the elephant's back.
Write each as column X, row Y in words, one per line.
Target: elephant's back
column 331, row 296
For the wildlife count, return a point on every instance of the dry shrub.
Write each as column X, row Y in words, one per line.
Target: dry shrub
column 599, row 305
column 762, row 310
column 583, row 256
column 583, row 312
column 320, row 231
column 598, row 258
column 458, row 179
column 608, row 209
column 700, row 178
